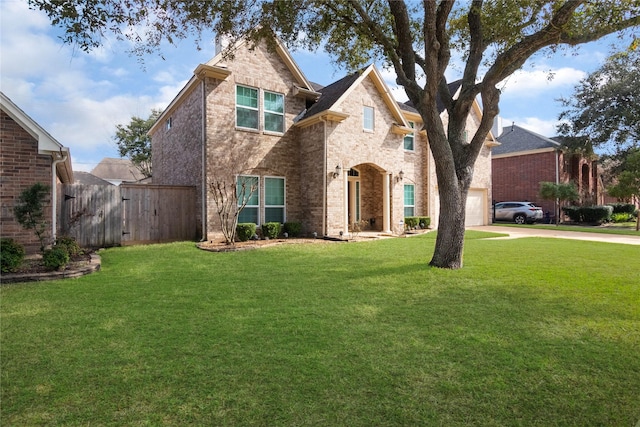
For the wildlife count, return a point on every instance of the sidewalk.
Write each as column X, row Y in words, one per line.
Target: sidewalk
column 516, row 233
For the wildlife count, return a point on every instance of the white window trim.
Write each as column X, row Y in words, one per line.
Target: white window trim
column 264, row 111
column 284, row 207
column 364, row 118
column 235, row 94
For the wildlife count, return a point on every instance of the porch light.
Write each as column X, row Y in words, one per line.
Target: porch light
column 337, row 171
column 400, row 176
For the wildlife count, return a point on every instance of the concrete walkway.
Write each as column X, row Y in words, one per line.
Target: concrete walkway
column 516, row 233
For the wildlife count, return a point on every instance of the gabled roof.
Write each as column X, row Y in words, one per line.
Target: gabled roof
column 47, row 144
column 515, row 139
column 87, row 178
column 117, row 170
column 332, row 96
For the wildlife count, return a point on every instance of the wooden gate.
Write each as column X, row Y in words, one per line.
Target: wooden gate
column 157, row 213
column 91, row 213
column 101, row 216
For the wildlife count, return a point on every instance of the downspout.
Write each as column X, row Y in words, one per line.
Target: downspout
column 203, row 207
column 54, row 196
column 324, row 179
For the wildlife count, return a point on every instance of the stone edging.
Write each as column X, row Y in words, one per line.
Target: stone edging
column 94, row 265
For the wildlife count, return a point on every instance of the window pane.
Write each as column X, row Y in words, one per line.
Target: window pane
column 244, row 193
column 274, row 191
column 247, row 96
column 274, row 215
column 246, row 118
column 273, row 122
column 273, row 102
column 368, row 118
column 248, row 215
column 409, row 199
column 409, row 211
column 408, row 139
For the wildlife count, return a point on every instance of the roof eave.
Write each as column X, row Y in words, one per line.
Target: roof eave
column 326, row 115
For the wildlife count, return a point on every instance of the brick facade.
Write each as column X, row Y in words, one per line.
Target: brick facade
column 20, row 167
column 306, row 156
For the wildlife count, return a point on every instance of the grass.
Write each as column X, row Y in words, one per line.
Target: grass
column 530, row 332
column 625, row 228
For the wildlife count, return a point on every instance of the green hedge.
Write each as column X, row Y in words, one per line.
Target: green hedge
column 70, row 244
column 271, row 230
column 412, row 222
column 55, row 258
column 589, row 214
column 245, row 231
column 11, row 255
column 293, row 229
column 625, row 208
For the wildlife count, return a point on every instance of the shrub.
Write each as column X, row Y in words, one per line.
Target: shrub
column 621, row 217
column 627, row 208
column 573, row 212
column 11, row 255
column 424, row 221
column 29, row 210
column 245, row 231
column 271, row 230
column 55, row 258
column 70, row 244
column 293, row 229
column 589, row 214
column 410, row 222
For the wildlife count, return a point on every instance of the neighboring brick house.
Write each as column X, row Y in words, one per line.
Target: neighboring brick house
column 525, row 159
column 28, row 155
column 326, row 157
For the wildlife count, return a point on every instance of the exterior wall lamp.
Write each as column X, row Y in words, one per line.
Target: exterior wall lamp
column 400, row 176
column 336, row 173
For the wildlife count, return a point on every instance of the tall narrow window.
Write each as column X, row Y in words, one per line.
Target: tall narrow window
column 368, row 118
column 408, row 139
column 274, row 200
column 248, row 190
column 273, row 112
column 409, row 200
column 247, row 107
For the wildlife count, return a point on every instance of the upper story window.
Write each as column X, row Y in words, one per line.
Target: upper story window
column 273, row 112
column 409, row 139
column 247, row 107
column 169, row 123
column 368, row 118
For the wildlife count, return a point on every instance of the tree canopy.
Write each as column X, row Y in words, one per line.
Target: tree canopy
column 603, row 110
column 134, row 143
column 416, row 39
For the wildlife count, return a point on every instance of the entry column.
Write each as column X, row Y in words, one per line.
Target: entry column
column 386, row 208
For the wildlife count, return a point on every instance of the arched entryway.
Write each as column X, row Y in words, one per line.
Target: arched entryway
column 368, row 198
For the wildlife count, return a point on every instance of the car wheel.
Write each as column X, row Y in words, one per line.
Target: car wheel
column 520, row 219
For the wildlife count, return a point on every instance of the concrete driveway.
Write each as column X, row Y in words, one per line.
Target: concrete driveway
column 517, row 232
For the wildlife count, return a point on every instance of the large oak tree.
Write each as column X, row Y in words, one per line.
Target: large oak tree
column 416, row 39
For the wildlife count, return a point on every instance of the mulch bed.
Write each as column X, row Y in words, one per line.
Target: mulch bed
column 32, row 269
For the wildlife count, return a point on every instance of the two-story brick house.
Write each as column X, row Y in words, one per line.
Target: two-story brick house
column 326, row 157
column 524, row 159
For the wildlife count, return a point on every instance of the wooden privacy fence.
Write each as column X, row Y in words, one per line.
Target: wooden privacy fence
column 109, row 215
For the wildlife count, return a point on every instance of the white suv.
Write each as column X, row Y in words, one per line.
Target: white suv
column 518, row 212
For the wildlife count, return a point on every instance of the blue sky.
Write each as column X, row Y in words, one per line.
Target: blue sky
column 79, row 98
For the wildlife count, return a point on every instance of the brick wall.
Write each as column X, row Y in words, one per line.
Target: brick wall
column 518, row 178
column 20, row 167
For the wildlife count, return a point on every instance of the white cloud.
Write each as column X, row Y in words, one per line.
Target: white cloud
column 530, row 83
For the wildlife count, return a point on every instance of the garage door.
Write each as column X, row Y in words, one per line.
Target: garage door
column 476, row 208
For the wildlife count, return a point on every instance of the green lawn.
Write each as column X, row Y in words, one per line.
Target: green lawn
column 625, row 228
column 530, row 332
